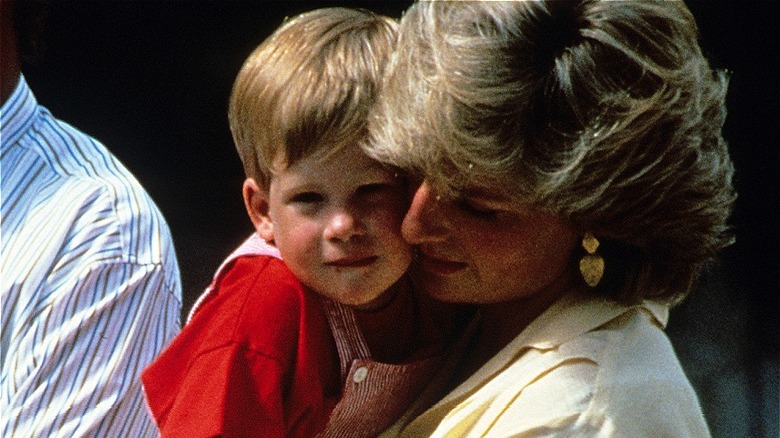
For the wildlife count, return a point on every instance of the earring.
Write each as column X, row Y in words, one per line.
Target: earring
column 591, row 264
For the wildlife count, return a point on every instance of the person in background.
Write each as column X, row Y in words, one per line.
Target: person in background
column 333, row 340
column 574, row 181
column 90, row 284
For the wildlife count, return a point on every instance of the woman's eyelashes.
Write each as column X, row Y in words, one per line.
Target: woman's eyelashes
column 475, row 209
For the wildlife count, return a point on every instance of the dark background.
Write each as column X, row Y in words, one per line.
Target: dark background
column 151, row 80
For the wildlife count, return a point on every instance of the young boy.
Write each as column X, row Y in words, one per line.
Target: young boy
column 263, row 354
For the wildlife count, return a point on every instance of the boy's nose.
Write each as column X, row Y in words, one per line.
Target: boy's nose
column 424, row 223
column 343, row 225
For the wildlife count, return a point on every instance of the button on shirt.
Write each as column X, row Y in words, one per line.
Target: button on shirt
column 90, row 286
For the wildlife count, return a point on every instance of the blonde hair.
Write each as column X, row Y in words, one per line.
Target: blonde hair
column 308, row 87
column 603, row 112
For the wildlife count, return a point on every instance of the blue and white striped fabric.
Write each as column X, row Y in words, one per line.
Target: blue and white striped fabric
column 90, row 286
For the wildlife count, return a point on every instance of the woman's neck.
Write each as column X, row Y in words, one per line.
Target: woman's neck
column 503, row 322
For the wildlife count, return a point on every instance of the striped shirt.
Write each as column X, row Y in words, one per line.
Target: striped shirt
column 90, row 286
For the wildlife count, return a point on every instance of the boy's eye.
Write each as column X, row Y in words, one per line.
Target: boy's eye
column 306, row 198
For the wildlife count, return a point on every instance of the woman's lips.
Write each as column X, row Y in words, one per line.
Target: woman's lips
column 439, row 266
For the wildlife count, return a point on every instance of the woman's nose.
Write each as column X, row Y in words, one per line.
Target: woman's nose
column 423, row 222
column 343, row 225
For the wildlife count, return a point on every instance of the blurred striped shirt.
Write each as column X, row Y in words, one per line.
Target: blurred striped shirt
column 90, row 287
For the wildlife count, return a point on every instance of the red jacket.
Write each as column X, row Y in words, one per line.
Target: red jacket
column 257, row 359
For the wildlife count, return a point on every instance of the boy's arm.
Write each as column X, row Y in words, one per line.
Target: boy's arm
column 234, row 369
column 230, row 391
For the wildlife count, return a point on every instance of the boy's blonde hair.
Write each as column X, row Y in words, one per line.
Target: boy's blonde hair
column 307, row 86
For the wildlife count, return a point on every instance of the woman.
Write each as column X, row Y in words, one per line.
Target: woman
column 574, row 182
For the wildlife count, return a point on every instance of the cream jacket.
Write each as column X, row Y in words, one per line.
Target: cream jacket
column 586, row 367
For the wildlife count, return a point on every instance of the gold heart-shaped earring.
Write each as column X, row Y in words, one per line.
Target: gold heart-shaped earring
column 591, row 264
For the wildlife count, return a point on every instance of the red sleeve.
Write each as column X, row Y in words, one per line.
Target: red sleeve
column 220, row 395
column 229, row 372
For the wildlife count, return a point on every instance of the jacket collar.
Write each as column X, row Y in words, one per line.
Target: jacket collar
column 571, row 316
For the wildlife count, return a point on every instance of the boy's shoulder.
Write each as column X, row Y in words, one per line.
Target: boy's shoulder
column 245, row 340
column 255, row 289
column 257, row 307
column 250, row 275
column 253, row 246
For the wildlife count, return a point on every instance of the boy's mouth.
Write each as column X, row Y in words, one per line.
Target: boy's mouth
column 353, row 262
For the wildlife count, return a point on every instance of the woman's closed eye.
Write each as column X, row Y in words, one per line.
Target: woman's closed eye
column 475, row 209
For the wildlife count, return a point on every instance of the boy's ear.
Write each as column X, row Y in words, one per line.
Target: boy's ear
column 256, row 203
